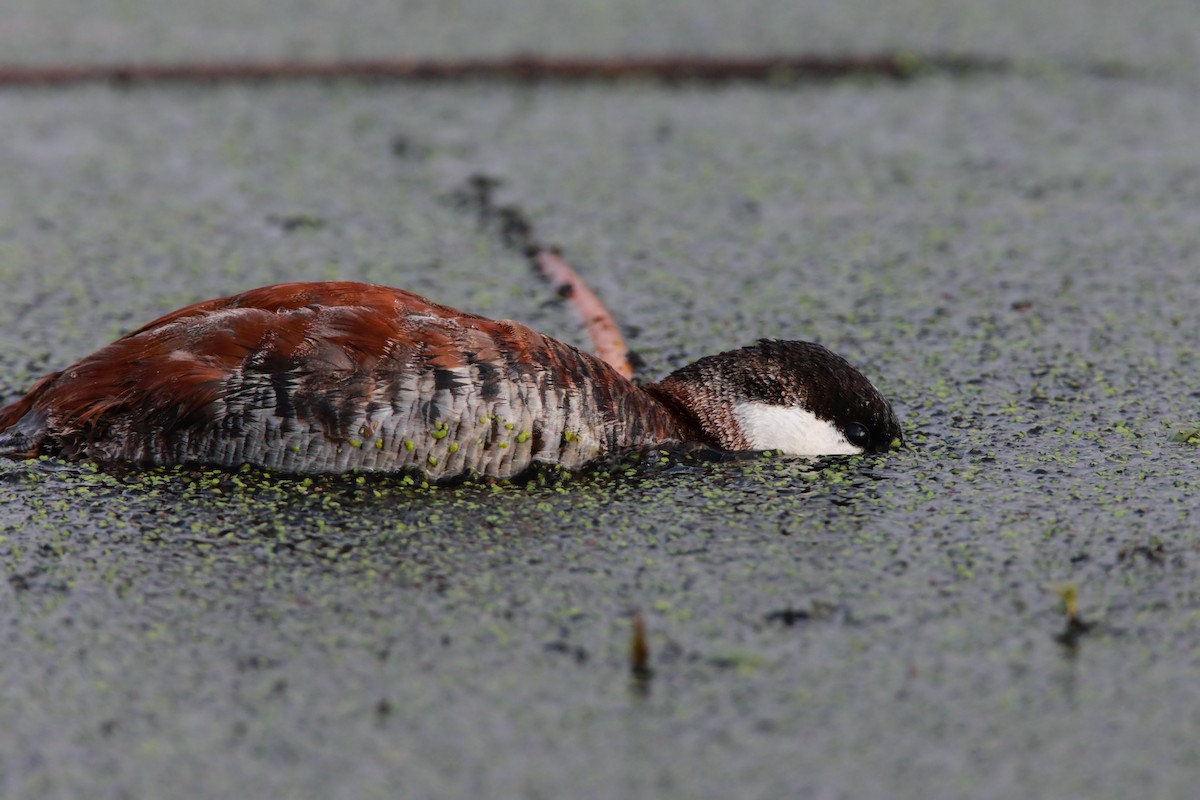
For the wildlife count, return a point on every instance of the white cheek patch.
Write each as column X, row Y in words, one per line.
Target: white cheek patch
column 790, row 429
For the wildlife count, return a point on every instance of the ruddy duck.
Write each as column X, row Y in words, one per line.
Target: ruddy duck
column 338, row 376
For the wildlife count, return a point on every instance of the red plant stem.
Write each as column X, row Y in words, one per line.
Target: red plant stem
column 607, row 341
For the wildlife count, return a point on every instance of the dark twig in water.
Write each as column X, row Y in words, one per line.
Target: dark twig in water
column 522, row 69
column 639, row 652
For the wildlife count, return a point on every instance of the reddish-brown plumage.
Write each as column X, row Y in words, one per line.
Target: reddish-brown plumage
column 319, row 368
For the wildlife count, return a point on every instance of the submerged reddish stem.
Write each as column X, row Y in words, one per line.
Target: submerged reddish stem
column 602, row 329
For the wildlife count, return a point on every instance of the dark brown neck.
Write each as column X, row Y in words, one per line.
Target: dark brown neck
column 700, row 419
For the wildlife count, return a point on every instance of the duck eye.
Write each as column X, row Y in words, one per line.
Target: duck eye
column 857, row 434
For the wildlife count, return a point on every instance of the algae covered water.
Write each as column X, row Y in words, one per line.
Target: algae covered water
column 1011, row 259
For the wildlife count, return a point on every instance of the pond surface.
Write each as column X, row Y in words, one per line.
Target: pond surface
column 1012, row 260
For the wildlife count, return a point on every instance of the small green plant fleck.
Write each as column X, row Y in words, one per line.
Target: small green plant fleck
column 1189, row 436
column 1076, row 626
column 1068, row 593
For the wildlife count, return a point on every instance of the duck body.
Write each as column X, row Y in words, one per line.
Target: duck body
column 341, row 376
